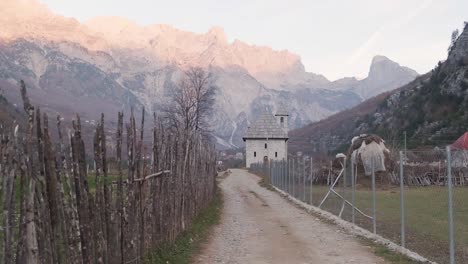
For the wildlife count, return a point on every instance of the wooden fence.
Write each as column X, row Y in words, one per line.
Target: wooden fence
column 54, row 211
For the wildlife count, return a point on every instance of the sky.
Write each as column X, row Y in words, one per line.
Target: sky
column 336, row 38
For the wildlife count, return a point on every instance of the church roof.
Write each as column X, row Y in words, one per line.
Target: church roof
column 281, row 111
column 266, row 126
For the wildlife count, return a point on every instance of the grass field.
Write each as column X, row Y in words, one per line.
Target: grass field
column 426, row 216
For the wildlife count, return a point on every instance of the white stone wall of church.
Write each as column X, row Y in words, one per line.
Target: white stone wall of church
column 258, row 145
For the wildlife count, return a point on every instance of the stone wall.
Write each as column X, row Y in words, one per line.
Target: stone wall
column 276, row 150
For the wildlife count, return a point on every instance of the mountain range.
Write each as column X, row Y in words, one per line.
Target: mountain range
column 110, row 63
column 432, row 111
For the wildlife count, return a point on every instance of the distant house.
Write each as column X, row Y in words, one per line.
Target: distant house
column 461, row 143
column 267, row 138
column 460, row 152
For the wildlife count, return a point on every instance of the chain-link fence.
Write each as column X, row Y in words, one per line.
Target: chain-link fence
column 459, row 172
column 413, row 198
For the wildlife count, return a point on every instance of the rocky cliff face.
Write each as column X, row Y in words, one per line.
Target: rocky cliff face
column 110, row 64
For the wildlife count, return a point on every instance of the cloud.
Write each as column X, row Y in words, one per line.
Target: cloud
column 365, row 47
column 374, row 38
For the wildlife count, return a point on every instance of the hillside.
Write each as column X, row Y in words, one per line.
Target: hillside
column 433, row 110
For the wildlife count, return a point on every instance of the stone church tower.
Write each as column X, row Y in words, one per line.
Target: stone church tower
column 267, row 138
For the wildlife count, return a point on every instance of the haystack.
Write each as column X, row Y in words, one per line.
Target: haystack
column 369, row 151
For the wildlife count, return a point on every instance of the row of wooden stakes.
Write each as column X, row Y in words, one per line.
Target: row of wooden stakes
column 54, row 210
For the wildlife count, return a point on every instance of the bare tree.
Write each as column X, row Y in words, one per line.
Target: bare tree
column 191, row 102
column 204, row 96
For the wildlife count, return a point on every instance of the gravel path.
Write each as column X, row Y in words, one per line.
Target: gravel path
column 258, row 226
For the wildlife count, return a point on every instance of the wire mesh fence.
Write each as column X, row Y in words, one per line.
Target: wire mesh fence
column 426, row 204
column 417, row 199
column 459, row 171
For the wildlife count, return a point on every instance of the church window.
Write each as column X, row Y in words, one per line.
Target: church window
column 255, row 154
column 276, row 154
column 266, row 146
column 282, row 120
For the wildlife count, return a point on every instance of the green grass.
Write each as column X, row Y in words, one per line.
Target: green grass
column 189, row 242
column 387, row 254
column 426, row 217
column 110, row 178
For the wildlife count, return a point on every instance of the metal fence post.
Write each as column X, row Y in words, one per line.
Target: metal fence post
column 282, row 173
column 267, row 170
column 299, row 179
column 450, row 205
column 270, row 172
column 289, row 176
column 344, row 184
column 311, row 179
column 374, row 220
column 278, row 175
column 285, row 172
column 402, row 201
column 275, row 164
column 353, row 190
column 293, row 178
column 304, row 175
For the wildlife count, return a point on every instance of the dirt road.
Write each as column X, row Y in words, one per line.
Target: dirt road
column 258, row 226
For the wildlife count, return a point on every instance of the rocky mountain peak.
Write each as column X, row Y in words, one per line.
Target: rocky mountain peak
column 32, row 20
column 384, row 75
column 383, row 68
column 380, row 58
column 111, row 24
column 218, row 34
